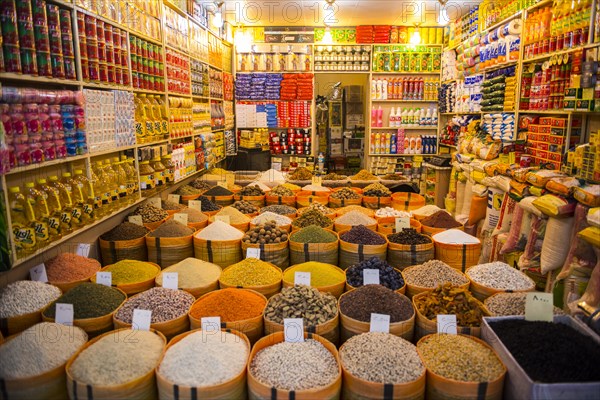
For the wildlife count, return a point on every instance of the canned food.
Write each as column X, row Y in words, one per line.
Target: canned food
column 92, row 50
column 108, row 37
column 90, row 27
column 28, row 61
column 44, row 63
column 100, row 31
column 12, row 58
column 58, row 68
column 65, row 22
column 67, row 46
column 101, row 51
column 103, row 71
column 110, row 54
column 94, row 70
column 70, row 72
column 119, row 75
column 26, row 37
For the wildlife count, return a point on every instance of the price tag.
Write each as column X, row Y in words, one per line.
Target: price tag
column 64, row 314
column 170, row 280
column 223, row 218
column 211, row 324
column 155, row 201
column 302, row 278
column 539, row 307
column 182, row 218
column 173, row 198
column 136, row 219
column 141, row 320
column 252, row 252
column 230, row 180
column 401, row 223
column 222, row 184
column 197, row 204
column 446, row 324
column 317, row 180
column 83, row 249
column 293, row 330
column 370, row 277
column 38, row 273
column 104, row 278
column 380, row 323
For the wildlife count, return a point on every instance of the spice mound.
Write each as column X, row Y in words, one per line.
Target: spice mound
column 172, row 206
column 301, row 174
column 313, row 234
column 460, row 358
column 363, row 175
column 301, row 302
column 29, row 355
column 440, row 219
column 219, row 230
column 318, row 207
column 165, row 304
column 359, row 234
column 321, row 274
column 502, row 304
column 230, row 304
column 254, row 190
column 218, row 191
column 118, row 358
column 280, row 220
column 207, row 204
column 24, row 297
column 193, row 273
column 345, row 194
column 433, row 273
column 125, row 231
column 332, row 176
column 355, row 218
column 360, row 303
column 69, row 267
column 185, row 362
column 89, row 300
column 235, row 216
column 149, row 213
column 249, row 273
column 188, row 190
column 500, row 276
column 447, row 299
column 281, row 191
column 312, row 217
column 279, row 209
column 267, row 233
column 171, row 228
column 376, row 190
column 409, row 236
column 295, row 366
column 344, row 210
column 194, row 216
column 131, row 271
column 393, row 177
column 388, row 276
column 381, row 358
column 198, row 183
column 245, row 207
column 550, row 352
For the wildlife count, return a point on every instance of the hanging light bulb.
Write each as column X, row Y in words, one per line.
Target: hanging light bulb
column 327, row 37
column 218, row 18
column 243, row 40
column 416, row 37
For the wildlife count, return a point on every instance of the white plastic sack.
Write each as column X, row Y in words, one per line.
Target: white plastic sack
column 556, row 243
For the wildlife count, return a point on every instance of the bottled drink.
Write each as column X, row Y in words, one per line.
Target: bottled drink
column 23, row 223
column 54, row 205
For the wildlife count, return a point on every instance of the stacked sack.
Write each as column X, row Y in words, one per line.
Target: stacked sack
column 243, row 86
column 305, row 87
column 289, row 87
column 271, row 111
column 447, row 97
column 364, row 34
column 273, row 86
column 449, row 65
column 257, row 90
column 496, row 96
column 501, row 126
column 381, row 34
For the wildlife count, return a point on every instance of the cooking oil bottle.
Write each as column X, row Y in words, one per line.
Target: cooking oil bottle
column 89, row 206
column 113, row 185
column 140, row 126
column 66, row 200
column 148, row 119
column 41, row 212
column 130, row 178
column 121, row 180
column 54, row 206
column 78, row 198
column 23, row 223
column 103, row 187
column 164, row 120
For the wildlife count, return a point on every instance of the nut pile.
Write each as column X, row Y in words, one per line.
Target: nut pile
column 24, row 297
column 359, row 234
column 345, row 194
column 388, row 276
column 312, row 217
column 433, row 273
column 281, row 190
column 502, row 304
column 244, row 207
column 301, row 302
column 218, row 191
column 360, row 303
column 391, row 212
column 279, row 209
column 408, row 236
column 198, row 183
column 363, row 175
column 267, row 233
column 317, row 207
column 207, row 204
column 382, row 358
column 376, row 190
column 393, row 177
column 125, row 231
column 165, row 304
column 149, row 213
column 253, row 190
column 446, row 299
column 500, row 276
column 301, row 174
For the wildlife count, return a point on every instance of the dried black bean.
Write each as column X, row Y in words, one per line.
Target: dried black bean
column 359, row 234
column 388, row 276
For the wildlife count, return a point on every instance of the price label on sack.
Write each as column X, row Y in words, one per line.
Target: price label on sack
column 302, row 278
column 380, row 323
column 136, row 219
column 155, row 201
column 223, row 218
column 252, row 252
column 197, row 204
column 38, row 273
column 64, row 314
column 293, row 330
column 402, row 223
column 104, row 278
column 317, row 180
column 446, row 324
column 539, row 307
column 170, row 280
column 230, row 180
column 222, row 184
column 173, row 198
column 141, row 319
column 211, row 324
column 370, row 276
column 83, row 249
column 182, row 218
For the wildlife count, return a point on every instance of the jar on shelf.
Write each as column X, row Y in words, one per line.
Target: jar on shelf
column 147, row 180
column 159, row 171
column 169, row 171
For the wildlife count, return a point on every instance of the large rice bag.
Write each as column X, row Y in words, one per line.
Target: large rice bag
column 494, row 205
column 506, row 214
column 554, row 249
column 531, row 255
column 593, row 216
column 478, row 209
column 555, row 206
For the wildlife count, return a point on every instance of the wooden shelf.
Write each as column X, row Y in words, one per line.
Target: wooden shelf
column 421, row 128
column 149, row 91
column 400, row 155
column 38, row 79
column 404, row 101
column 106, row 86
column 110, row 151
column 501, row 23
column 405, row 73
column 45, row 164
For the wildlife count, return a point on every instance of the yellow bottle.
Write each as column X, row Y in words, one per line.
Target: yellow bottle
column 54, row 205
column 89, row 210
column 96, row 190
column 131, row 178
column 41, row 213
column 159, row 171
column 121, row 180
column 114, row 185
column 78, row 198
column 164, row 120
column 66, row 201
column 23, row 227
column 155, row 108
column 140, row 127
column 148, row 118
column 103, row 187
column 147, row 181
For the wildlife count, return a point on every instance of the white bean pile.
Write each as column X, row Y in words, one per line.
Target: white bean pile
column 499, row 275
column 24, row 297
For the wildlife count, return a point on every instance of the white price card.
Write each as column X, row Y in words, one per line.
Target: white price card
column 197, row 204
column 293, row 330
column 317, row 180
column 223, row 218
column 173, row 198
column 104, row 278
column 252, row 252
column 38, row 273
column 222, row 184
column 539, row 307
column 136, row 219
column 380, row 323
column 402, row 223
column 141, row 320
column 170, row 280
column 155, row 201
column 446, row 324
column 211, row 324
column 64, row 314
column 83, row 249
column 182, row 218
column 370, row 276
column 302, row 278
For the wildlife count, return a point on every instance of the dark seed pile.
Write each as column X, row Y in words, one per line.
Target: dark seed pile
column 408, row 236
column 388, row 276
column 360, row 303
column 359, row 234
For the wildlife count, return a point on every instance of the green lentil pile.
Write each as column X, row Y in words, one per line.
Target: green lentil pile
column 250, row 272
column 189, row 190
column 149, row 213
column 279, row 209
column 131, row 271
column 267, row 233
column 460, row 358
column 345, row 194
column 90, row 300
column 313, row 234
column 125, row 231
column 376, row 190
column 253, row 190
column 245, row 207
column 301, row 302
column 312, row 217
column 171, row 228
column 281, row 191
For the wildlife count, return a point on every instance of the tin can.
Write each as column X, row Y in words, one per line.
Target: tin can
column 145, row 65
column 44, row 63
column 116, row 37
column 28, row 61
column 123, row 59
column 8, row 22
column 57, row 63
column 125, row 78
column 67, row 46
column 42, row 42
column 94, row 70
column 82, row 47
column 119, row 75
column 103, row 72
column 85, row 69
column 65, row 22
column 80, row 23
column 55, row 40
column 110, row 54
column 101, row 51
column 117, row 57
column 108, row 37
column 134, row 77
column 26, row 37
column 92, row 50
column 90, row 27
column 12, row 58
column 100, row 31
column 70, row 72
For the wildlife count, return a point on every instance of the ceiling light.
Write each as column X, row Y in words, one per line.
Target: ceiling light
column 327, row 37
column 243, row 40
column 416, row 37
column 218, row 18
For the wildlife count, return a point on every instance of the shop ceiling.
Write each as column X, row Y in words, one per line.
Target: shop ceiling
column 343, row 12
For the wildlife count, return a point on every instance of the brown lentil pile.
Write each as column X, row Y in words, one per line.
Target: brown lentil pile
column 194, row 216
column 503, row 304
column 301, row 174
column 460, row 358
column 441, row 219
column 280, row 190
column 345, row 194
column 433, row 273
column 69, row 267
column 89, row 300
column 267, row 233
column 312, row 217
column 198, row 183
column 165, row 304
column 360, row 303
column 376, row 190
column 446, row 299
column 125, row 231
column 245, row 207
column 171, row 228
column 253, row 190
column 301, row 302
column 149, row 213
